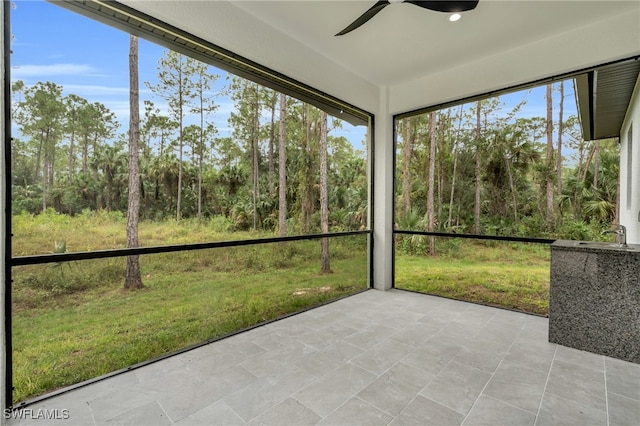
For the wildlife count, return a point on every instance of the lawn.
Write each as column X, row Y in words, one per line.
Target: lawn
column 74, row 321
column 504, row 274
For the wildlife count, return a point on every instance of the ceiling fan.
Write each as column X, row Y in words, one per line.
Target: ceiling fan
column 451, row 6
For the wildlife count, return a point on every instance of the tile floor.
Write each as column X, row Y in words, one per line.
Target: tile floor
column 376, row 358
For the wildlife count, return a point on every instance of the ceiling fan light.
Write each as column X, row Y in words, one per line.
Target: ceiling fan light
column 454, row 17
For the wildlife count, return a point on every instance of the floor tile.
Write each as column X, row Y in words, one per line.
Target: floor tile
column 288, row 412
column 425, row 412
column 266, row 392
column 483, row 360
column 581, row 358
column 623, row 411
column 433, row 356
column 537, row 360
column 415, row 335
column 216, row 414
column 382, row 356
column 369, row 337
column 557, row 411
column 623, row 378
column 392, row 391
column 329, row 358
column 150, row 414
column 579, row 384
column 457, row 386
column 491, row 412
column 356, row 412
column 268, row 362
column 334, row 389
column 117, row 403
column 516, row 385
column 183, row 398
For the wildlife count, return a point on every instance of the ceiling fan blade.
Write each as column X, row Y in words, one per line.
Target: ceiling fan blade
column 373, row 10
column 446, row 6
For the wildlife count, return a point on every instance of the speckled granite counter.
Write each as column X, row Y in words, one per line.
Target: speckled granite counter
column 594, row 302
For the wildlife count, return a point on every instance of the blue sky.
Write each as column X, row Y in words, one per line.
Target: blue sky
column 90, row 59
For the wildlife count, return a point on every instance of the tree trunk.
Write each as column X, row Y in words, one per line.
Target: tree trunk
column 406, row 168
column 455, row 166
column 71, row 155
column 596, row 164
column 549, row 174
column 476, row 216
column 256, row 158
column 282, row 170
column 180, row 145
column 324, row 198
column 200, row 151
column 272, row 137
column 512, row 186
column 560, row 130
column 133, row 279
column 307, row 202
column 430, row 179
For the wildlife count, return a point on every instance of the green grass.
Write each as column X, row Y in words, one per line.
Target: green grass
column 509, row 275
column 74, row 321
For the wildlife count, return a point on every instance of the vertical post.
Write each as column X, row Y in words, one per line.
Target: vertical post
column 5, row 223
column 383, row 195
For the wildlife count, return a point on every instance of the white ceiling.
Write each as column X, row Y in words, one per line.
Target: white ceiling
column 408, row 57
column 404, row 42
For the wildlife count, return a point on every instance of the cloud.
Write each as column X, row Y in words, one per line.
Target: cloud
column 84, row 90
column 21, row 71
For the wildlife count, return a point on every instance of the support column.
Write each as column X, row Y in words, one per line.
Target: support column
column 5, row 133
column 383, row 195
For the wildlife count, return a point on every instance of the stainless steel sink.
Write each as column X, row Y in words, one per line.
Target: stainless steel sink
column 603, row 245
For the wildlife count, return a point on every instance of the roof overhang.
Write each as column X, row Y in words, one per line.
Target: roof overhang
column 603, row 97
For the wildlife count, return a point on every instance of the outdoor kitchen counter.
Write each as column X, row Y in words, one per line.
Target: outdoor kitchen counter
column 594, row 302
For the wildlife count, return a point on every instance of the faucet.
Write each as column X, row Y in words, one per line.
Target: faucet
column 621, row 234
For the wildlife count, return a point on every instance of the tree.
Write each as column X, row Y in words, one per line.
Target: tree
column 560, row 132
column 430, row 179
column 324, row 201
column 41, row 115
column 174, row 86
column 549, row 158
column 245, row 121
column 282, row 169
column 476, row 216
column 407, row 150
column 455, row 165
column 203, row 106
column 133, row 279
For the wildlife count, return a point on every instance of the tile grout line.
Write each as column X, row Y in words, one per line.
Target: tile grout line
column 546, row 383
column 92, row 414
column 165, row 412
column 492, row 374
column 606, row 392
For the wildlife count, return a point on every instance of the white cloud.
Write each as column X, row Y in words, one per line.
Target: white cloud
column 21, row 71
column 83, row 90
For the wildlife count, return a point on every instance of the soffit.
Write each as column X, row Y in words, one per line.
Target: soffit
column 603, row 97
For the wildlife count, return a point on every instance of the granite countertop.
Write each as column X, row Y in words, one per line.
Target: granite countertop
column 596, row 246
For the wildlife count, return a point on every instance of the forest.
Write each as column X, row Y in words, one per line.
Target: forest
column 71, row 155
column 476, row 168
column 485, row 168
